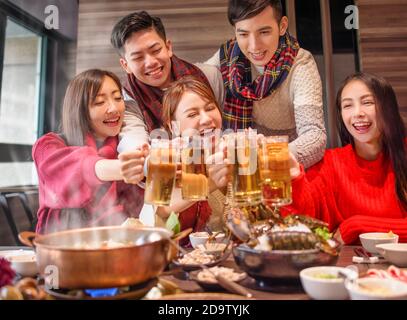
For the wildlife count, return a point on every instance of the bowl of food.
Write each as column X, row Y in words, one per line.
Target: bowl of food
column 192, row 260
column 203, row 237
column 206, row 278
column 395, row 253
column 326, row 282
column 24, row 262
column 213, row 248
column 277, row 248
column 376, row 289
column 371, row 239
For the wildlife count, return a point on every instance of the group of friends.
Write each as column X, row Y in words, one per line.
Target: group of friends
column 91, row 173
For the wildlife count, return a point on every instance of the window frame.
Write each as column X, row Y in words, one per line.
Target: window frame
column 10, row 152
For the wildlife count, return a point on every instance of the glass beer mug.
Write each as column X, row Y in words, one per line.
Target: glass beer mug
column 161, row 172
column 194, row 181
column 242, row 153
column 274, row 163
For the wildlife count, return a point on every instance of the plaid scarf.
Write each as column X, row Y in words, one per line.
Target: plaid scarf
column 150, row 98
column 240, row 90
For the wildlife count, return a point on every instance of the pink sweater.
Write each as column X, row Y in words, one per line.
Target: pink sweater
column 351, row 193
column 67, row 180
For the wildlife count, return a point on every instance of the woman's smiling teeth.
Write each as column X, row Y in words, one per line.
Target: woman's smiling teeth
column 362, row 127
column 206, row 132
column 112, row 122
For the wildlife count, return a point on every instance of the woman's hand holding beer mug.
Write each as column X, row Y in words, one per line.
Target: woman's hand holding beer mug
column 131, row 164
column 219, row 170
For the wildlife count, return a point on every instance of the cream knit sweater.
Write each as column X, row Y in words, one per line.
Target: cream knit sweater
column 294, row 109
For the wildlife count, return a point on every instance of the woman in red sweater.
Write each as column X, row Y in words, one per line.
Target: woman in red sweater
column 80, row 175
column 361, row 187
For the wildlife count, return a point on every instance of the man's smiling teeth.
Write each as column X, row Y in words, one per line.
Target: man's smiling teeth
column 154, row 72
column 258, row 55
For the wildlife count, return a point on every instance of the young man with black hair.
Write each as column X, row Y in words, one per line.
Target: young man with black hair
column 151, row 66
column 271, row 84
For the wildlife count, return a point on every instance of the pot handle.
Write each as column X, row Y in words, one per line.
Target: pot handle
column 182, row 234
column 27, row 237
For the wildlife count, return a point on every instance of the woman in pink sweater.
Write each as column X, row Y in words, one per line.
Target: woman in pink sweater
column 361, row 187
column 81, row 179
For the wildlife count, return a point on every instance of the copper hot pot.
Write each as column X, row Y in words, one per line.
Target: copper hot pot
column 146, row 252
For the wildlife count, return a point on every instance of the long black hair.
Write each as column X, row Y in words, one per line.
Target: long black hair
column 389, row 122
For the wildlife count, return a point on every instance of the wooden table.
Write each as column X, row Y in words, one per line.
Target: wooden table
column 292, row 291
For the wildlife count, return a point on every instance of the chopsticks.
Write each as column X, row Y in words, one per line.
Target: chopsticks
column 360, row 252
column 363, row 256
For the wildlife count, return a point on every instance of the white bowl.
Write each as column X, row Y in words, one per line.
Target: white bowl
column 319, row 285
column 395, row 253
column 198, row 238
column 24, row 262
column 376, row 289
column 371, row 239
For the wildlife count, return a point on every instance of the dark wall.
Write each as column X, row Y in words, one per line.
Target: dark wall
column 68, row 13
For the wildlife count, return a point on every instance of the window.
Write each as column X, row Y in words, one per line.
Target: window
column 19, row 104
column 36, row 64
column 21, row 85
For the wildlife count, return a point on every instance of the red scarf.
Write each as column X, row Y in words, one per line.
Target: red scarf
column 150, row 98
column 195, row 217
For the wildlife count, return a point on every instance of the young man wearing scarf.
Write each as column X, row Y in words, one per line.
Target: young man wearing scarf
column 151, row 66
column 146, row 56
column 271, row 84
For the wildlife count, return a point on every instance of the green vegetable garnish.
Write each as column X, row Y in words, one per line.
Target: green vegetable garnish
column 323, row 233
column 325, row 276
column 172, row 223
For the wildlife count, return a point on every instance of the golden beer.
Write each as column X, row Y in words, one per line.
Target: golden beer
column 246, row 179
column 274, row 163
column 194, row 178
column 161, row 174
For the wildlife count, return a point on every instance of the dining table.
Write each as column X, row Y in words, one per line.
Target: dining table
column 279, row 290
column 261, row 291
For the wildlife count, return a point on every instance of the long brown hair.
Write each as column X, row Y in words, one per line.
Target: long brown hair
column 389, row 122
column 81, row 92
column 174, row 93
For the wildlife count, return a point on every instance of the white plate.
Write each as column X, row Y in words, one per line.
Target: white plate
column 12, row 253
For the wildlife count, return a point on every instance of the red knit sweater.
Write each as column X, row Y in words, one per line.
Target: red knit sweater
column 351, row 193
column 67, row 180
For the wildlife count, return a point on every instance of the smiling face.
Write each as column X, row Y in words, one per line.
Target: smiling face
column 148, row 57
column 358, row 110
column 258, row 37
column 196, row 114
column 106, row 111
